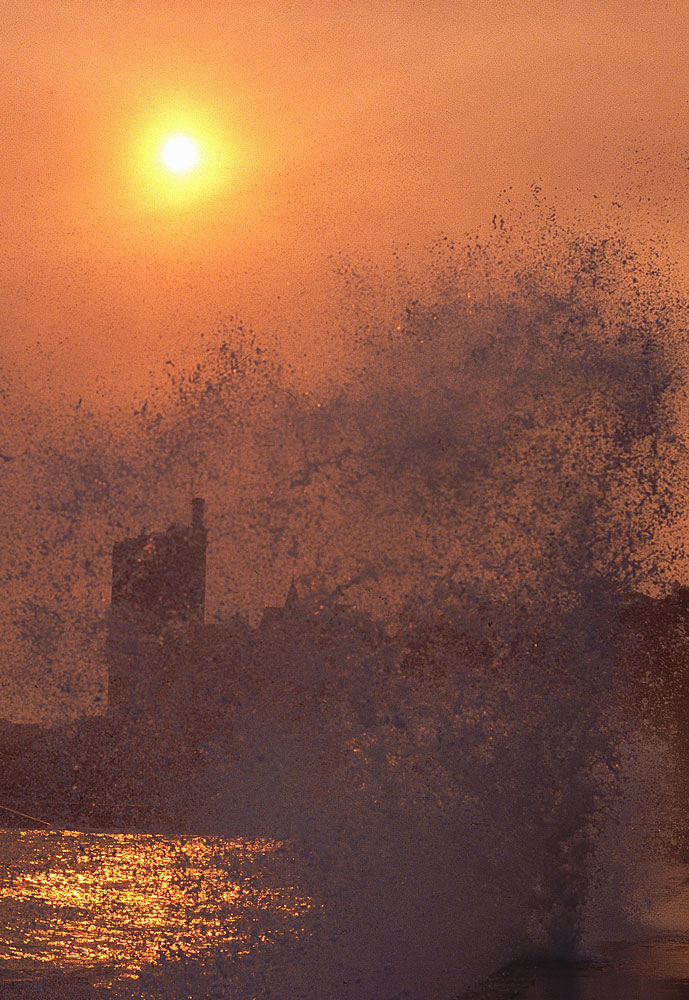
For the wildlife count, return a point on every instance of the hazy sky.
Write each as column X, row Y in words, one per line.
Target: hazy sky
column 354, row 128
column 355, row 136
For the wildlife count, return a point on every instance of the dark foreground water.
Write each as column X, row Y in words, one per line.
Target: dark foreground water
column 646, row 970
column 89, row 915
column 652, row 965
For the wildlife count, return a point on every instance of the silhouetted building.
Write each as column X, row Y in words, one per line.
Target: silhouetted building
column 161, row 578
column 166, row 667
column 275, row 616
column 158, row 594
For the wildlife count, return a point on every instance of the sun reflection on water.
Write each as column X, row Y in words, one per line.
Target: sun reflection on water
column 119, row 901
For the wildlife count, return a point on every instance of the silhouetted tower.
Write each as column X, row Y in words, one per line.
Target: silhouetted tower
column 160, row 578
column 158, row 590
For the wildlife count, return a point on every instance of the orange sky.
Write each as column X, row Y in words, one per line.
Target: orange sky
column 360, row 133
column 360, row 127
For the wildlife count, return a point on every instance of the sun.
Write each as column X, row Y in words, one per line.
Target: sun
column 180, row 154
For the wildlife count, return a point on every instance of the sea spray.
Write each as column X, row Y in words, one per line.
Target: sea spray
column 445, row 821
column 497, row 466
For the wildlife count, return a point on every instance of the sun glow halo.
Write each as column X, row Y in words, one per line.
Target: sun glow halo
column 182, row 158
column 180, row 154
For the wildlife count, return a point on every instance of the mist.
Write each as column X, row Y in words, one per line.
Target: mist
column 510, row 422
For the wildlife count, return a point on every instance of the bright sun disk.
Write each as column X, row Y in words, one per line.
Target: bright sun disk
column 180, row 154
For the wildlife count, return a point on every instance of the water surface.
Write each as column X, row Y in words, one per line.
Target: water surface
column 81, row 915
column 110, row 903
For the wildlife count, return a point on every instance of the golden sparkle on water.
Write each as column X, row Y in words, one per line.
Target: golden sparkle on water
column 118, row 901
